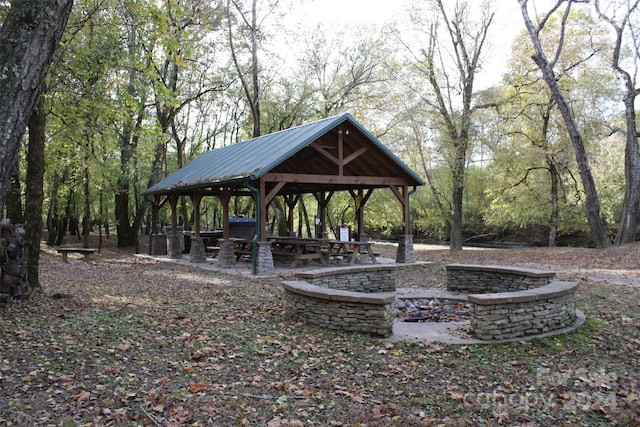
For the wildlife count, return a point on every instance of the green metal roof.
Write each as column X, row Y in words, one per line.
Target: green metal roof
column 250, row 159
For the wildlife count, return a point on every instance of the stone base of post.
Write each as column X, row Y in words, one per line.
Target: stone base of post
column 264, row 259
column 405, row 253
column 158, row 244
column 226, row 254
column 197, row 254
column 174, row 249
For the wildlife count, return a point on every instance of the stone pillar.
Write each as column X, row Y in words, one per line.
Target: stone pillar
column 264, row 259
column 226, row 255
column 197, row 253
column 158, row 244
column 405, row 253
column 174, row 249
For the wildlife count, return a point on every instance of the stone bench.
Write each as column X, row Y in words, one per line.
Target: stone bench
column 87, row 252
column 356, row 278
column 480, row 279
column 508, row 302
column 340, row 310
column 507, row 315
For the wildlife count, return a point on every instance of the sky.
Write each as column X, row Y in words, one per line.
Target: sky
column 343, row 13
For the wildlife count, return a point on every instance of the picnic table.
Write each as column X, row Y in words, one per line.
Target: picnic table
column 241, row 247
column 298, row 249
column 350, row 250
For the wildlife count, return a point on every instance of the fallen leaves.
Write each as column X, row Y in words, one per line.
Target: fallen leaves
column 197, row 388
column 145, row 343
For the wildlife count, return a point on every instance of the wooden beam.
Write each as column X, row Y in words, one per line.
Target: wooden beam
column 225, row 196
column 274, row 192
column 355, row 155
column 334, row 179
column 403, row 197
column 340, row 152
column 196, row 198
column 397, row 193
column 324, row 152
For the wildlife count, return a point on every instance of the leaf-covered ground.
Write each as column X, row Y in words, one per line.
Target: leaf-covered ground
column 130, row 341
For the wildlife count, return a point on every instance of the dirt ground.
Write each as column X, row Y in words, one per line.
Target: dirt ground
column 134, row 341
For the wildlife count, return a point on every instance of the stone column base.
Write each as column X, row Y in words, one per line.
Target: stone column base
column 405, row 253
column 158, row 244
column 197, row 254
column 264, row 259
column 174, row 250
column 226, row 255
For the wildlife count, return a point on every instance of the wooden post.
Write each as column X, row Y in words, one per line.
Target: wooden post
column 196, row 199
column 262, row 221
column 405, row 209
column 176, row 250
column 224, row 197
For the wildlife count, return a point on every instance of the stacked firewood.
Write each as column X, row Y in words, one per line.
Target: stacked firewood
column 13, row 272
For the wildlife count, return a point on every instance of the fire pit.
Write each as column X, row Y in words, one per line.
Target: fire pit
column 432, row 310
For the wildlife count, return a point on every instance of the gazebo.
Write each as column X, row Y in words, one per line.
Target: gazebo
column 319, row 158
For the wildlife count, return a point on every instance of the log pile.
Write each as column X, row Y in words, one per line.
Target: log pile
column 13, row 271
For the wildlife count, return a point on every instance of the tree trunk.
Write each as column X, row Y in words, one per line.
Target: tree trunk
column 629, row 220
column 34, row 193
column 52, row 224
column 14, row 197
column 251, row 91
column 457, row 192
column 592, row 203
column 86, row 220
column 28, row 38
column 553, row 193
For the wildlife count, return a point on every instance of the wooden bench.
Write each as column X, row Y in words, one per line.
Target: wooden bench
column 87, row 252
column 213, row 249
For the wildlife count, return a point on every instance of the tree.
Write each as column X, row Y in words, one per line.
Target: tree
column 251, row 30
column 34, row 194
column 344, row 71
column 452, row 86
column 532, row 127
column 592, row 204
column 628, row 222
column 28, row 39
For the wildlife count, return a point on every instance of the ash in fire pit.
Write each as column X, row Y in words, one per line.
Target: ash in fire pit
column 431, row 310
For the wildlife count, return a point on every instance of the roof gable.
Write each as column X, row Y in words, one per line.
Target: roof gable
column 250, row 159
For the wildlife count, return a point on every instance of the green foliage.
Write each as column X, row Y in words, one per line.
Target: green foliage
column 160, row 72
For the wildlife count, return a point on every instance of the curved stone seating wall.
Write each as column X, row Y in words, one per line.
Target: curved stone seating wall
column 347, row 311
column 348, row 299
column 359, row 278
column 510, row 302
column 517, row 314
column 480, row 279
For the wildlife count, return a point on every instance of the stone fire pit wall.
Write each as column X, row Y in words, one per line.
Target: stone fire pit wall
column 359, row 278
column 481, row 279
column 509, row 302
column 349, row 299
column 516, row 314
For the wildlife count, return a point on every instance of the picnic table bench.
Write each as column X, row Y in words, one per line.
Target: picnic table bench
column 298, row 250
column 214, row 250
column 87, row 252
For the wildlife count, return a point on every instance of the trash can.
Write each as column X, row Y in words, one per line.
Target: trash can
column 168, row 232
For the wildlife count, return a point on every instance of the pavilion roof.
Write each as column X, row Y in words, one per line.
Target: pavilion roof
column 248, row 160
